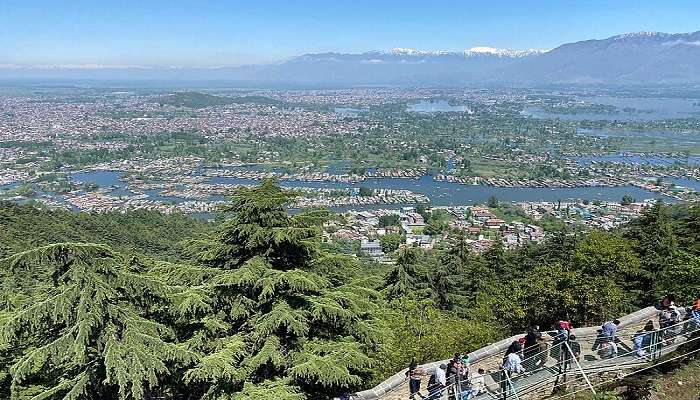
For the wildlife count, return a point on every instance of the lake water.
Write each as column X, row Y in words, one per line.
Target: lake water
column 690, row 138
column 689, row 183
column 636, row 159
column 440, row 193
column 433, row 106
column 645, row 109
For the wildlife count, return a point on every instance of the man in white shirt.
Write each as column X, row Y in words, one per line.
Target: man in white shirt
column 438, row 382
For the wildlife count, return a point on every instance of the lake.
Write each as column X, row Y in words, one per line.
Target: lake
column 440, row 193
column 642, row 109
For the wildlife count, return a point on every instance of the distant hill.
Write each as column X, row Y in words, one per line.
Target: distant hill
column 636, row 58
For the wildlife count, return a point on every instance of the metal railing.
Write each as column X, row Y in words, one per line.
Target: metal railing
column 558, row 368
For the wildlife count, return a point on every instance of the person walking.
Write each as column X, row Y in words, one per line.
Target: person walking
column 414, row 375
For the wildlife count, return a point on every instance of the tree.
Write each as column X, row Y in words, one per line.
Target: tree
column 609, row 255
column 680, row 278
column 627, row 200
column 406, row 275
column 88, row 332
column 389, row 220
column 435, row 227
column 492, row 202
column 655, row 242
column 391, row 242
column 267, row 321
column 365, row 192
column 496, row 260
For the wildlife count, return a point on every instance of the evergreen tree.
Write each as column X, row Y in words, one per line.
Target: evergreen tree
column 406, row 275
column 655, row 243
column 268, row 323
column 88, row 333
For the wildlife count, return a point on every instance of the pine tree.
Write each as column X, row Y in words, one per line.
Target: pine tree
column 89, row 334
column 269, row 322
column 406, row 275
column 656, row 244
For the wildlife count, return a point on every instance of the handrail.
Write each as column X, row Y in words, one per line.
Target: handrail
column 497, row 348
column 667, row 348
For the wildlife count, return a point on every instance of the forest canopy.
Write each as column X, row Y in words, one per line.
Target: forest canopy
column 144, row 306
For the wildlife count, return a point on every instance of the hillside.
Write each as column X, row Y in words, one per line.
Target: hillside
column 262, row 309
column 144, row 232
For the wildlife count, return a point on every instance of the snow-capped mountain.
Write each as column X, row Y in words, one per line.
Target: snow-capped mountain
column 632, row 58
column 483, row 50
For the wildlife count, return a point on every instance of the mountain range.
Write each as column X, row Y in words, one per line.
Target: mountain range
column 635, row 58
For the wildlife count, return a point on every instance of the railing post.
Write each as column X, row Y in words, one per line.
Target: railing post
column 512, row 386
column 504, row 384
column 573, row 357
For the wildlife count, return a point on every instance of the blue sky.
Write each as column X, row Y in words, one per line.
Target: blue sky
column 219, row 32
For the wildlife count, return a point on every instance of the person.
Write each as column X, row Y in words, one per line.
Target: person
column 437, row 383
column 454, row 367
column 454, row 374
column 514, row 347
column 574, row 354
column 414, row 375
column 638, row 340
column 695, row 311
column 609, row 332
column 667, row 301
column 513, row 364
column 465, row 365
column 530, row 349
column 477, row 385
column 649, row 326
column 563, row 329
column 669, row 322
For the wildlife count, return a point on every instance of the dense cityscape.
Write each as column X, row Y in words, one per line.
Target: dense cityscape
column 110, row 149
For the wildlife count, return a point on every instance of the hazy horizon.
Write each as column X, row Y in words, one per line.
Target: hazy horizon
column 187, row 34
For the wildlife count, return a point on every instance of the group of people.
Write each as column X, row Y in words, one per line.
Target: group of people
column 453, row 376
column 533, row 350
column 671, row 325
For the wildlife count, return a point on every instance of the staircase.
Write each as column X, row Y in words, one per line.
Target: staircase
column 560, row 374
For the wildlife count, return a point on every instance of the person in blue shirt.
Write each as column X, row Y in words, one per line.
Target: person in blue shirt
column 609, row 333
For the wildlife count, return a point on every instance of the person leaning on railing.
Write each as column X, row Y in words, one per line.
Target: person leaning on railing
column 437, row 382
column 476, row 386
column 609, row 336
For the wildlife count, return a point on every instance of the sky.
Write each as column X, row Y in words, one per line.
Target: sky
column 189, row 33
